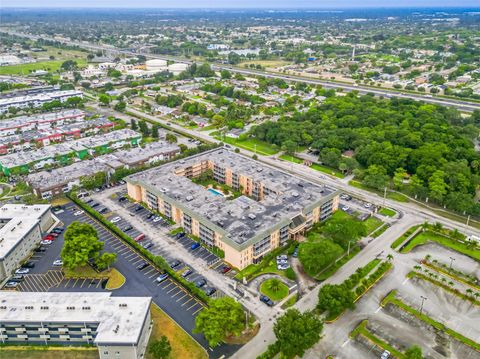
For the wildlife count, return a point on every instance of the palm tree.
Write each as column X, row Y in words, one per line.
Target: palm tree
column 274, row 285
column 417, row 267
column 469, row 291
column 450, row 284
column 477, row 294
column 389, row 257
column 427, row 257
column 444, row 280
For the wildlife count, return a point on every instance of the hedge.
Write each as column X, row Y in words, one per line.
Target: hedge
column 157, row 260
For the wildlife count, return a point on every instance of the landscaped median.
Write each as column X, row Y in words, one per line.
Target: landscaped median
column 362, row 330
column 392, row 299
column 157, row 261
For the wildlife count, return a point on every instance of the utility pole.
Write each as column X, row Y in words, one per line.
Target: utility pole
column 451, row 261
column 423, row 300
column 384, row 196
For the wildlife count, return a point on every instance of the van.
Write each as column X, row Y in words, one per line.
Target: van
column 140, row 237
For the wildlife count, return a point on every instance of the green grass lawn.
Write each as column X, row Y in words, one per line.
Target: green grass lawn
column 361, row 329
column 387, row 212
column 372, row 224
column 48, row 353
column 403, row 237
column 291, row 159
column 314, row 166
column 251, row 144
column 290, row 302
column 277, row 295
column 456, row 245
column 270, row 268
column 25, row 69
column 183, row 345
column 391, row 195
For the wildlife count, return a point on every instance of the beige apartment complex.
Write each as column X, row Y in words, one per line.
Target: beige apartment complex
column 273, row 206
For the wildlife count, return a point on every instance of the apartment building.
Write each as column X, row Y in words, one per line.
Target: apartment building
column 118, row 326
column 21, row 229
column 272, row 207
column 37, row 100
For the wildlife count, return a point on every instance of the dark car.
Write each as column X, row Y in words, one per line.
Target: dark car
column 138, row 208
column 28, row 265
column 56, row 230
column 40, row 249
column 147, row 245
column 150, row 215
column 94, row 204
column 187, row 273
column 175, row 263
column 103, row 210
column 122, row 199
column 295, row 252
column 142, row 265
column 194, row 246
column 210, row 291
column 266, row 300
column 180, row 235
column 127, row 228
column 200, row 283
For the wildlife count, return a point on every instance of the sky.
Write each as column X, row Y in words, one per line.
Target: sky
column 240, row 3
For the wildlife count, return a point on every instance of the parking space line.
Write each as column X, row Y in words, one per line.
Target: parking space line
column 153, row 275
column 183, row 296
column 195, row 312
column 43, row 278
column 188, row 301
column 84, row 280
column 49, row 280
column 139, row 259
column 171, row 290
column 168, row 285
column 193, row 305
column 27, row 286
column 98, row 284
column 38, row 283
column 179, row 292
column 149, row 271
column 131, row 260
column 68, row 281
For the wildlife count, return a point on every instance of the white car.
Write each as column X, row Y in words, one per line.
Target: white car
column 77, row 213
column 367, row 205
column 282, row 257
column 283, row 266
column 58, row 263
column 115, row 220
column 345, row 208
column 22, row 271
column 46, row 242
column 157, row 219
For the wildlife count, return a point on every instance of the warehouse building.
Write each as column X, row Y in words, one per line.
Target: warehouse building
column 21, row 229
column 119, row 326
column 273, row 206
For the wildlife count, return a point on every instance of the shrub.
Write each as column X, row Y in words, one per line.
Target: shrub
column 290, row 274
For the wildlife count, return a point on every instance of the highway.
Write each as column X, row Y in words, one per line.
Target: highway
column 461, row 105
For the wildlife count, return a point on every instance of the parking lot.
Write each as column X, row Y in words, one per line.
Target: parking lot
column 168, row 294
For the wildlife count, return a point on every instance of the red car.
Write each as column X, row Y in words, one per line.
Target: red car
column 226, row 269
column 49, row 238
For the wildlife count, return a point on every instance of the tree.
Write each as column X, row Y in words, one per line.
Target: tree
column 335, row 298
column 105, row 260
column 133, row 124
column 376, row 177
column 160, row 349
column 104, row 99
column 171, row 138
column 399, row 177
column 342, row 231
column 155, row 129
column 330, row 157
column 80, row 245
column 296, row 332
column 93, row 181
column 225, row 74
column 69, row 65
column 224, row 317
column 438, row 187
column 120, row 106
column 414, row 352
column 316, row 256
column 274, row 285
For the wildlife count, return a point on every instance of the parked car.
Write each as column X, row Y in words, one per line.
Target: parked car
column 161, row 278
column 142, row 265
column 367, row 205
column 95, row 204
column 200, row 283
column 22, row 271
column 295, row 252
column 175, row 263
column 138, row 208
column 282, row 257
column 78, row 213
column 17, row 278
column 40, row 249
column 48, row 237
column 281, row 262
column 194, row 246
column 57, row 230
column 11, row 284
column 147, row 245
column 345, row 208
column 103, row 210
column 186, row 273
column 46, row 242
column 180, row 235
column 122, row 199
column 115, row 219
column 226, row 269
column 139, row 238
column 157, row 219
column 54, row 234
column 385, row 355
column 122, row 182
column 209, row 291
column 266, row 300
column 28, row 265
column 150, row 215
column 58, row 263
column 283, row 266
column 127, row 228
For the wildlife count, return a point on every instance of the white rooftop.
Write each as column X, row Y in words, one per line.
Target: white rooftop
column 120, row 318
column 16, row 221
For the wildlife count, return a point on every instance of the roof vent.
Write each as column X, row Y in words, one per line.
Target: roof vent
column 252, row 216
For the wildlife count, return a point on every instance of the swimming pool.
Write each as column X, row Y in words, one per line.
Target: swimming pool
column 215, row 192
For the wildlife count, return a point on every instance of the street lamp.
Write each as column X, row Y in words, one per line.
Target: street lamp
column 451, row 261
column 421, row 306
column 348, row 250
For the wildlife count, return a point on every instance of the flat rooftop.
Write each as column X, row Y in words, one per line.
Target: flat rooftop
column 120, row 318
column 242, row 220
column 16, row 221
column 40, row 118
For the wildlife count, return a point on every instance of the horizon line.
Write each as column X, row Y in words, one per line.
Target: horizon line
column 241, row 8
